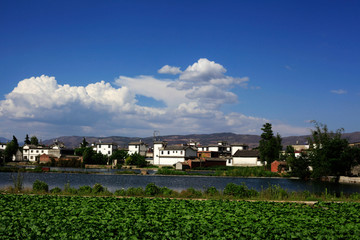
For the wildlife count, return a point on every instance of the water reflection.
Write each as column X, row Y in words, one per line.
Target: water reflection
column 114, row 182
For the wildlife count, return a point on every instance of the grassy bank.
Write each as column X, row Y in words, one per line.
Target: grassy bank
column 230, row 192
column 223, row 171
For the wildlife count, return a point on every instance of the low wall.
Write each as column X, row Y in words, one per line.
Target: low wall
column 344, row 179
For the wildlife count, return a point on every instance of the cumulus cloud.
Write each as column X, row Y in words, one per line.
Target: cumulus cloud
column 339, row 91
column 192, row 104
column 169, row 70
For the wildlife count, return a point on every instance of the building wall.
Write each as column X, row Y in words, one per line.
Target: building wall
column 105, row 149
column 157, row 147
column 246, row 161
column 170, row 161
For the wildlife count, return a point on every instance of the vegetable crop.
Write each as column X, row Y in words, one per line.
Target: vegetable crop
column 74, row 217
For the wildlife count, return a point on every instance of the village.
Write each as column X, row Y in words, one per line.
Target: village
column 181, row 156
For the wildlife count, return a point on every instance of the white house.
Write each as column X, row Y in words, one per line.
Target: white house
column 238, row 146
column 106, row 149
column 169, row 155
column 32, row 152
column 138, row 147
column 245, row 158
column 2, row 146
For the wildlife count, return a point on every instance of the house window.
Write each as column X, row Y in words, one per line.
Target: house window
column 31, row 150
column 25, row 151
column 31, row 157
column 109, row 152
column 180, row 152
column 37, row 151
column 229, row 161
column 109, row 146
column 162, row 152
column 168, row 152
column 25, row 157
column 42, row 151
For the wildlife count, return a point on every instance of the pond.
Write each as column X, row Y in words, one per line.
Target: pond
column 115, row 181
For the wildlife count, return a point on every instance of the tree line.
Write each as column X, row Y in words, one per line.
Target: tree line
column 328, row 155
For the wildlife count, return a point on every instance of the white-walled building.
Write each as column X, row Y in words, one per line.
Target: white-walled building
column 32, row 152
column 138, row 147
column 245, row 158
column 238, row 146
column 106, row 149
column 169, row 155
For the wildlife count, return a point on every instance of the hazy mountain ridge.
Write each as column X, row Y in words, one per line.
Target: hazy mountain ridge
column 203, row 139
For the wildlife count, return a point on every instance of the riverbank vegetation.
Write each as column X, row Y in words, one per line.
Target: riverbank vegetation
column 74, row 217
column 230, row 192
column 223, row 171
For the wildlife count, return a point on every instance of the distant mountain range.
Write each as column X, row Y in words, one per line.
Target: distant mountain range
column 203, row 139
column 3, row 140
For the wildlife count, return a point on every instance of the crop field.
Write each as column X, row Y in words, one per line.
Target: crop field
column 75, row 217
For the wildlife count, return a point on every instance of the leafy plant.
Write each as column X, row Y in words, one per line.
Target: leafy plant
column 40, row 186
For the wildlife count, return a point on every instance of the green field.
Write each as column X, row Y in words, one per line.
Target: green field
column 75, row 217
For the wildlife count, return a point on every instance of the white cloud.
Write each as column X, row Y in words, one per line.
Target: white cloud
column 339, row 91
column 192, row 105
column 169, row 70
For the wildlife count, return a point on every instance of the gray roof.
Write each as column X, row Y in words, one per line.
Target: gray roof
column 246, row 153
column 178, row 147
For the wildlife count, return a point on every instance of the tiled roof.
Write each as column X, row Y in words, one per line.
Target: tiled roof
column 246, row 153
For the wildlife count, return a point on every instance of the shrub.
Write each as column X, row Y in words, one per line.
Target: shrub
column 212, row 191
column 98, row 188
column 151, row 189
column 120, row 192
column 85, row 190
column 40, row 186
column 68, row 189
column 166, row 191
column 239, row 190
column 132, row 191
column 55, row 190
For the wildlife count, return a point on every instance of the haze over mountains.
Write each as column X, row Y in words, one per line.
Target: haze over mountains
column 203, row 139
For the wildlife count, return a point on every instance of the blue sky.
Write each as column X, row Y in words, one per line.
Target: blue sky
column 127, row 68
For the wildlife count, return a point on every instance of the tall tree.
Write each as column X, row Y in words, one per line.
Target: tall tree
column 11, row 149
column 330, row 154
column 84, row 143
column 27, row 139
column 34, row 140
column 269, row 145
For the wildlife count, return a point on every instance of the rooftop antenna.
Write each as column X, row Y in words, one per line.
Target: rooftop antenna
column 156, row 135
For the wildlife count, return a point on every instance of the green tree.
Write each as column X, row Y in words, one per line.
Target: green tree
column 119, row 155
column 27, row 140
column 11, row 149
column 136, row 159
column 330, row 155
column 269, row 145
column 84, row 143
column 34, row 141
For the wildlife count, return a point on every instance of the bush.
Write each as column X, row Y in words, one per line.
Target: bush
column 242, row 190
column 40, row 186
column 275, row 192
column 212, row 191
column 55, row 190
column 166, row 191
column 85, row 190
column 68, row 189
column 151, row 189
column 98, row 188
column 120, row 192
column 132, row 191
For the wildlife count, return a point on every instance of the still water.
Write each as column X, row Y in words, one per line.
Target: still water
column 114, row 182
